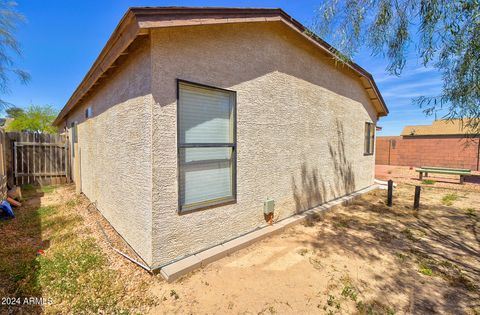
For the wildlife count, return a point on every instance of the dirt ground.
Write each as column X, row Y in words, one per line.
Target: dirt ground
column 407, row 174
column 363, row 258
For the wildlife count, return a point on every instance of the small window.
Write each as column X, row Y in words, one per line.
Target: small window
column 89, row 112
column 369, row 138
column 206, row 146
column 73, row 126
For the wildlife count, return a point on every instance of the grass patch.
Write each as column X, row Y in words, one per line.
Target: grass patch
column 73, row 271
column 72, row 203
column 401, row 257
column 448, row 199
column 409, row 234
column 471, row 212
column 428, row 182
column 425, row 269
column 47, row 189
column 341, row 223
column 28, row 188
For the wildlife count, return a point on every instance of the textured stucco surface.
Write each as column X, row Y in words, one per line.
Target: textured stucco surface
column 300, row 128
column 115, row 150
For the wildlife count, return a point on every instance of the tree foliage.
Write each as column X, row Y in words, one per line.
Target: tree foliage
column 34, row 119
column 445, row 35
column 14, row 111
column 9, row 47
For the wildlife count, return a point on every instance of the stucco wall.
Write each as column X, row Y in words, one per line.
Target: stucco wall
column 300, row 128
column 115, row 150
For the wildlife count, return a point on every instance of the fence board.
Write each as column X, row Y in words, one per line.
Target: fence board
column 35, row 158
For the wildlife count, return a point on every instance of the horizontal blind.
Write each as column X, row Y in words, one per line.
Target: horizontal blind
column 205, row 174
column 205, row 115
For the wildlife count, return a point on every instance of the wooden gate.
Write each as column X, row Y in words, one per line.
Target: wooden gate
column 39, row 158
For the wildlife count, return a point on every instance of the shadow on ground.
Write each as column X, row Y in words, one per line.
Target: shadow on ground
column 21, row 239
column 431, row 256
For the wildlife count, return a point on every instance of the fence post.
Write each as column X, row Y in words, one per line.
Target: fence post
column 390, row 193
column 416, row 201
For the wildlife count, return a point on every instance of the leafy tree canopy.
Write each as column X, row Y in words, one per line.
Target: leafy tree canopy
column 14, row 111
column 34, row 119
column 9, row 47
column 445, row 35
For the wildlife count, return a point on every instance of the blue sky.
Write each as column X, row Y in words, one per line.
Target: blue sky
column 61, row 39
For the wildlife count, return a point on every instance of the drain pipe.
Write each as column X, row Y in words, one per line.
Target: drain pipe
column 144, row 266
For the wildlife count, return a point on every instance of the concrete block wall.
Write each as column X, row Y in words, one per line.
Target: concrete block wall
column 443, row 151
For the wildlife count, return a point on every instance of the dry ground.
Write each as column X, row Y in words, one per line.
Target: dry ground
column 362, row 258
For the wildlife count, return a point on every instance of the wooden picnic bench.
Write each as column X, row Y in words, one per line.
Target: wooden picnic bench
column 424, row 170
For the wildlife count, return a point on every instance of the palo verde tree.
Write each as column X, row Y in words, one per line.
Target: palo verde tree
column 444, row 33
column 34, row 119
column 9, row 48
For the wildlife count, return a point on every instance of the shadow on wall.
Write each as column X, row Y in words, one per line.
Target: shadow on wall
column 312, row 191
column 343, row 168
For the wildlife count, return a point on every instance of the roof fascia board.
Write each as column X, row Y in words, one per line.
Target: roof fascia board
column 137, row 21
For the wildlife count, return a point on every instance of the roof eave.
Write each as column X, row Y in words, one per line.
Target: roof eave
column 137, row 21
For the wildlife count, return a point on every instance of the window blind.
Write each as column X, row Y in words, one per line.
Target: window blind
column 206, row 145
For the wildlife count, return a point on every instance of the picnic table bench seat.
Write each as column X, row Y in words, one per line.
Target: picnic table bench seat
column 446, row 168
column 449, row 171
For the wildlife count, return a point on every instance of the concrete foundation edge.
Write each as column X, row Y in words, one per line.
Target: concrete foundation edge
column 185, row 265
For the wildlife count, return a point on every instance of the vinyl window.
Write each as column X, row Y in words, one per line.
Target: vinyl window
column 206, row 146
column 369, row 138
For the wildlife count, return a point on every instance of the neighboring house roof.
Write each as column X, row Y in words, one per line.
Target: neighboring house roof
column 439, row 127
column 5, row 121
column 138, row 21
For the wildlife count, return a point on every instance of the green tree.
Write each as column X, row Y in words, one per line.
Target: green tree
column 34, row 119
column 9, row 48
column 445, row 35
column 14, row 111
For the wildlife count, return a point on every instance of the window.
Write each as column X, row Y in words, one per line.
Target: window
column 206, row 146
column 89, row 112
column 73, row 126
column 369, row 138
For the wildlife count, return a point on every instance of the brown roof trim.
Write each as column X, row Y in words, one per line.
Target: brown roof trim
column 138, row 20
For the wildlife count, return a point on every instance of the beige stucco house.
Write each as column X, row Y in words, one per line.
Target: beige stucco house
column 191, row 118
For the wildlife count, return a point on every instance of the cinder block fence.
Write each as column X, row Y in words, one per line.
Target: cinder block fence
column 441, row 150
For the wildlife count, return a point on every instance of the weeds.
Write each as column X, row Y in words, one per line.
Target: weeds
column 448, row 199
column 402, row 257
column 428, row 182
column 425, row 268
column 341, row 223
column 409, row 234
column 48, row 189
column 174, row 294
column 302, row 251
column 349, row 292
column 471, row 212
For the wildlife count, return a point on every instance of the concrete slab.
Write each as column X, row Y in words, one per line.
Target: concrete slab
column 181, row 267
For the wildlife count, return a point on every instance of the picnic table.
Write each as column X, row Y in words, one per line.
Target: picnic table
column 424, row 170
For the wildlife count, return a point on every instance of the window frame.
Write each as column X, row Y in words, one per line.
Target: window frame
column 89, row 112
column 204, row 205
column 371, row 138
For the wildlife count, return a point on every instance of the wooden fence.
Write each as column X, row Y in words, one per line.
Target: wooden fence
column 34, row 158
column 3, row 166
